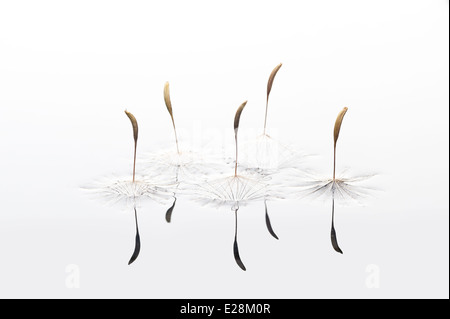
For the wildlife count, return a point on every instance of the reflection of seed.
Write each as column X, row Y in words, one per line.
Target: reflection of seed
column 170, row 211
column 137, row 245
column 334, row 241
column 268, row 223
column 237, row 257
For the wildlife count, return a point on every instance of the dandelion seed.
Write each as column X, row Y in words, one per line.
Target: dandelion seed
column 115, row 190
column 343, row 189
column 179, row 167
column 235, row 191
column 268, row 157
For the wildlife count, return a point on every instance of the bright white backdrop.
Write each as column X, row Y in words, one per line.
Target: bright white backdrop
column 69, row 69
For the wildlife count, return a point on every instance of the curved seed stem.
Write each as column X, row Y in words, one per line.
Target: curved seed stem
column 337, row 129
column 134, row 161
column 269, row 88
column 236, row 164
column 237, row 118
column 169, row 109
column 334, row 163
column 265, row 117
column 176, row 137
column 135, row 136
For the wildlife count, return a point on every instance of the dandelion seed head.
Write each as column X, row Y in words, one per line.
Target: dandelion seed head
column 117, row 190
column 266, row 155
column 344, row 189
column 232, row 191
column 184, row 166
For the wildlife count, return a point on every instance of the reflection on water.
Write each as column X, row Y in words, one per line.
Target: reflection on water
column 137, row 246
column 346, row 190
column 170, row 211
column 334, row 241
column 237, row 257
column 268, row 223
column 232, row 191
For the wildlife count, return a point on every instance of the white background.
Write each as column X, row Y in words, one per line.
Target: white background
column 68, row 69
